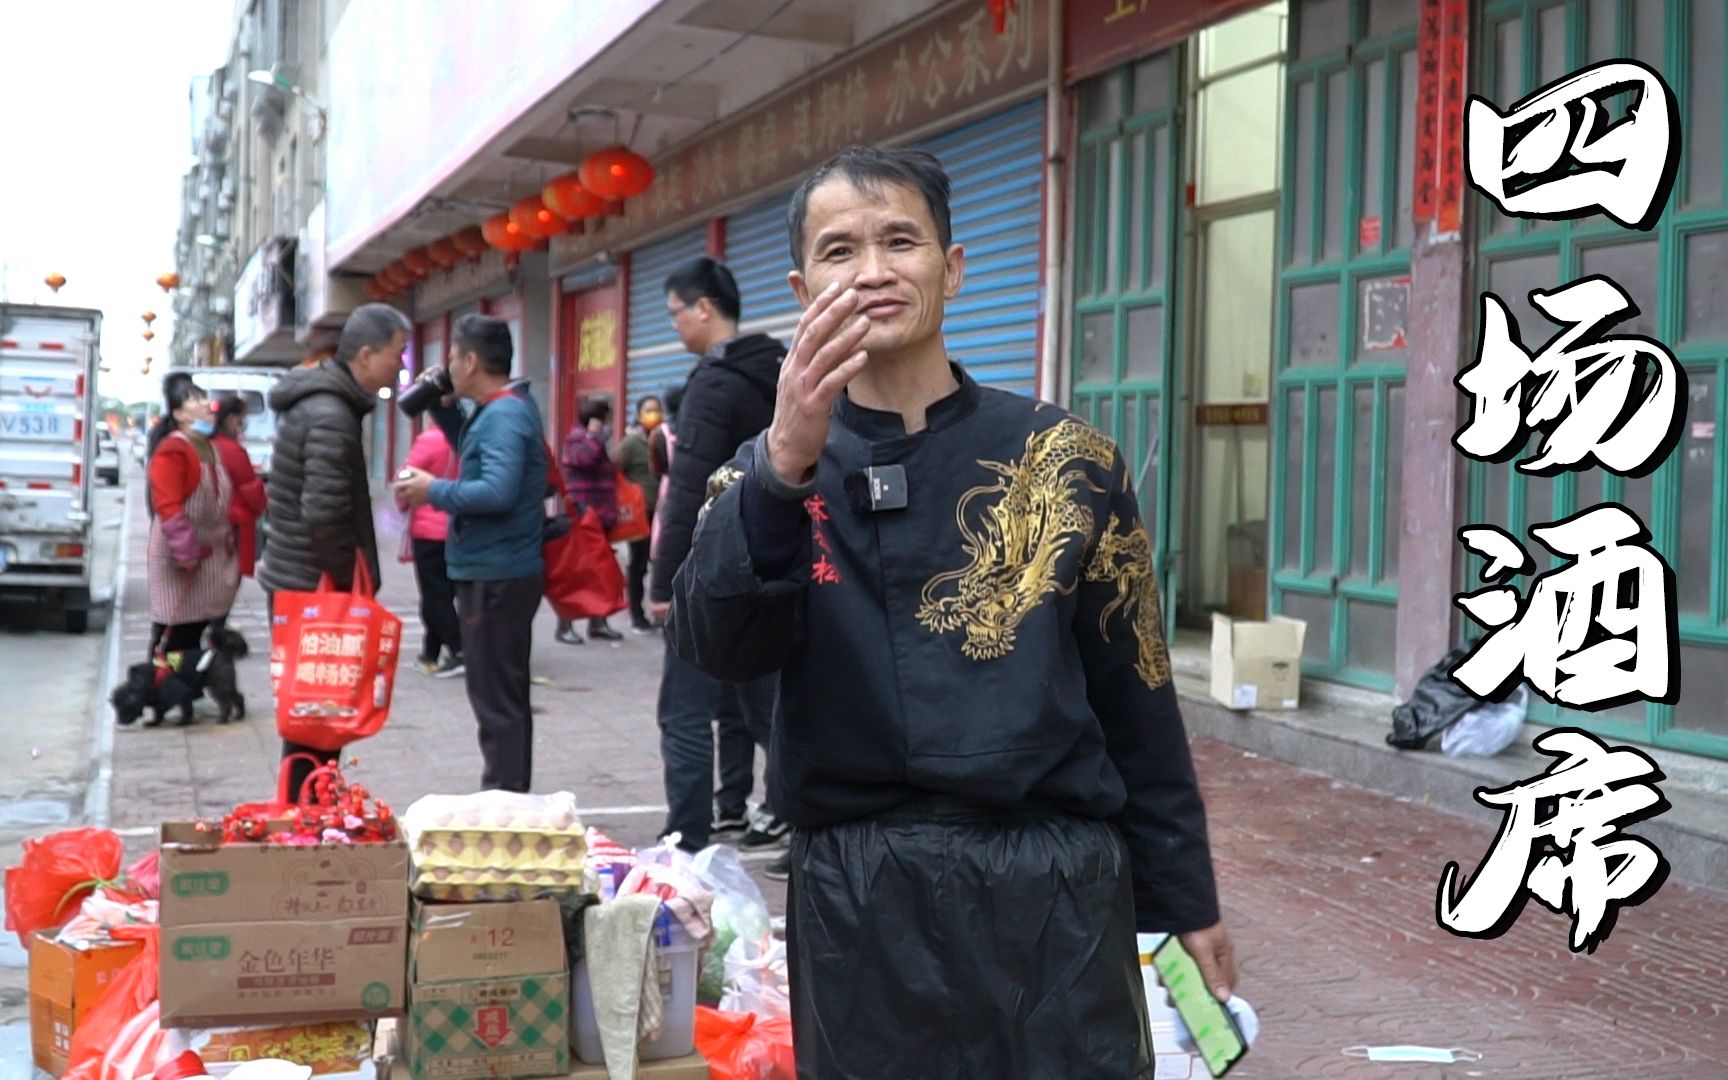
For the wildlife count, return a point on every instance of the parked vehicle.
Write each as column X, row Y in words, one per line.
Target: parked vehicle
column 107, row 457
column 48, row 358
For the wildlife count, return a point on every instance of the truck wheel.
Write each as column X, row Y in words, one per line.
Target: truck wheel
column 75, row 610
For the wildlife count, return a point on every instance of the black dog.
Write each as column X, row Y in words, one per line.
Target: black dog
column 228, row 641
column 175, row 681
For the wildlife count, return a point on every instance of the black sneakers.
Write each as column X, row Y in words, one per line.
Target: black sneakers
column 780, row 869
column 728, row 825
column 765, row 831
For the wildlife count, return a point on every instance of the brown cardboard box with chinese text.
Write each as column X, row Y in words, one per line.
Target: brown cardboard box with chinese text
column 271, row 933
column 489, row 992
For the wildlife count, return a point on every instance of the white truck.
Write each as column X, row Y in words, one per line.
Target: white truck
column 48, row 360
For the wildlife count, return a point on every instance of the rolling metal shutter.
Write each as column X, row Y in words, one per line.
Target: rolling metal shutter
column 758, row 256
column 992, row 327
column 656, row 361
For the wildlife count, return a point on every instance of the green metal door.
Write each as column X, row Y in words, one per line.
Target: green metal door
column 1343, row 300
column 1124, row 258
column 1677, row 274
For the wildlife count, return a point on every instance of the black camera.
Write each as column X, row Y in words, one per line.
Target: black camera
column 427, row 390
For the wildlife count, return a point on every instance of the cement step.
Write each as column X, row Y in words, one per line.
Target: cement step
column 1341, row 731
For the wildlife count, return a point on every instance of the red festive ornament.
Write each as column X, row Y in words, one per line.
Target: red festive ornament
column 149, row 335
column 149, row 317
column 533, row 219
column 169, row 282
column 616, row 173
column 504, row 234
column 568, row 198
column 416, row 260
column 470, row 242
column 54, row 281
column 375, row 290
column 444, row 253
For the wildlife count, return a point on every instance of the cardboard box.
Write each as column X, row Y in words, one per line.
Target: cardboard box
column 1257, row 665
column 489, row 992
column 267, row 933
column 692, row 1067
column 64, row 983
column 335, row 1050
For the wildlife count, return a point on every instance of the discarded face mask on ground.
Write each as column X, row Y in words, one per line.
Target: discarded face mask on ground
column 1437, row 1055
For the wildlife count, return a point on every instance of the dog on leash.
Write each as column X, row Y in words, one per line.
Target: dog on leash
column 174, row 681
column 228, row 641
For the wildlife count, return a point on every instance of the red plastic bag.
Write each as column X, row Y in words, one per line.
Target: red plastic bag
column 58, row 870
column 745, row 1046
column 333, row 663
column 583, row 579
column 632, row 521
column 118, row 1011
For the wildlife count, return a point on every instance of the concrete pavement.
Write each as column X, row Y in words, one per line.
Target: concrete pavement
column 1329, row 889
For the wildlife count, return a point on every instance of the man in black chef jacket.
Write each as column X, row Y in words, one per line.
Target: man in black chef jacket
column 977, row 740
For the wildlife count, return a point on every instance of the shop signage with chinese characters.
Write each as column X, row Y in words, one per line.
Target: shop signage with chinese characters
column 912, row 80
column 1101, row 34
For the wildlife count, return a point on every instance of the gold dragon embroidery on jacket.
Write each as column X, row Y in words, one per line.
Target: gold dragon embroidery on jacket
column 1124, row 558
column 1036, row 517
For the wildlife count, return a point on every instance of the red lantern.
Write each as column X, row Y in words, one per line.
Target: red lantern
column 149, row 335
column 375, row 291
column 568, row 198
column 444, row 253
column 149, row 317
column 470, row 242
column 397, row 277
column 417, row 261
column 616, row 173
column 168, row 282
column 54, row 281
column 534, row 220
column 505, row 235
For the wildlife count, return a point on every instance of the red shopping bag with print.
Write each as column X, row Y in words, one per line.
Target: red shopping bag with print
column 632, row 521
column 583, row 578
column 333, row 662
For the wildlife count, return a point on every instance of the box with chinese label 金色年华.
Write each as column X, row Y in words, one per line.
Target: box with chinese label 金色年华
column 272, row 933
column 64, row 983
column 489, row 990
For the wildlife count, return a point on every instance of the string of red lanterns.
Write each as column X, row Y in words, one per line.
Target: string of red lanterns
column 597, row 187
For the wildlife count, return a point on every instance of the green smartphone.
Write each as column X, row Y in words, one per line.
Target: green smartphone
column 1209, row 1023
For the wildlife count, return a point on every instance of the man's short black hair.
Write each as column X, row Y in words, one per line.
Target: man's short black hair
column 487, row 338
column 597, row 408
column 705, row 279
column 868, row 168
column 642, row 402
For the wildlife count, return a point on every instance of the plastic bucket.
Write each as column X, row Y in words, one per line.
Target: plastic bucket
column 675, row 970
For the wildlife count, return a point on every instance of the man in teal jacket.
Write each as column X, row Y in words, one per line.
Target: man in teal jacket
column 497, row 521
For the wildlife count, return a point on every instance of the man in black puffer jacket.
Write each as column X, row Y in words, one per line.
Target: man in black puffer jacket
column 728, row 398
column 320, row 506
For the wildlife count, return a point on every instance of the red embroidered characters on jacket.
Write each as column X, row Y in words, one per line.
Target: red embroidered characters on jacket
column 822, row 570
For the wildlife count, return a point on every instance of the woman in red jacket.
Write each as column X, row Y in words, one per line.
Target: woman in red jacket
column 247, row 505
column 192, row 567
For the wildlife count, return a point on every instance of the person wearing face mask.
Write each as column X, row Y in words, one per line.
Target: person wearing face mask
column 493, row 549
column 193, row 570
column 636, row 462
column 593, row 485
column 977, row 736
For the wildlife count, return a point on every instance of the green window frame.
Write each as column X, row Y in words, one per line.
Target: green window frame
column 1125, row 250
column 1684, row 502
column 1346, row 230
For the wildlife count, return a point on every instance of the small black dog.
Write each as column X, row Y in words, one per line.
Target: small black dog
column 175, row 681
column 228, row 641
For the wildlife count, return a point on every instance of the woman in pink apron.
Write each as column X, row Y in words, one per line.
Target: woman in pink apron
column 193, row 566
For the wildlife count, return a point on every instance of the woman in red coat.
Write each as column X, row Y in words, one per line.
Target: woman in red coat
column 247, row 505
column 192, row 570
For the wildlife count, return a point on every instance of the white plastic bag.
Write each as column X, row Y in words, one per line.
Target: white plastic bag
column 1487, row 729
column 756, row 980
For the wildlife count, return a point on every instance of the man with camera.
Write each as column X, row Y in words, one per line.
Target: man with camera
column 497, row 524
